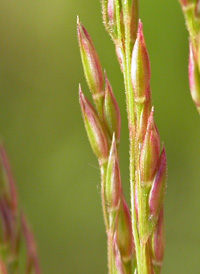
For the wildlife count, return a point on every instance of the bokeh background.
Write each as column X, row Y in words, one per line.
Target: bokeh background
column 41, row 125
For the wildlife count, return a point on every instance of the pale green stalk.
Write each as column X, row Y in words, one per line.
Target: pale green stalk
column 131, row 119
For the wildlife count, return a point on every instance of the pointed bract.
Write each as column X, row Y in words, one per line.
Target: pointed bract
column 124, row 232
column 113, row 178
column 158, row 241
column 194, row 78
column 91, row 63
column 95, row 131
column 140, row 67
column 158, row 189
column 150, row 151
column 111, row 112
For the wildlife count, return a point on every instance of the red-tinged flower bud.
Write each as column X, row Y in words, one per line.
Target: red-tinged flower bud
column 3, row 269
column 8, row 188
column 158, row 242
column 32, row 257
column 124, row 232
column 91, row 63
column 194, row 78
column 150, row 151
column 158, row 189
column 140, row 67
column 113, row 178
column 94, row 128
column 111, row 112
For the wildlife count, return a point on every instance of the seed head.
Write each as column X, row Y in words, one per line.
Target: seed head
column 124, row 232
column 91, row 63
column 94, row 128
column 194, row 78
column 150, row 151
column 140, row 67
column 113, row 178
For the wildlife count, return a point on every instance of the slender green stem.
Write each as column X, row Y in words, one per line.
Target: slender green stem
column 145, row 266
column 131, row 119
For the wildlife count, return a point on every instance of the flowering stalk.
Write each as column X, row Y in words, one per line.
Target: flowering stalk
column 12, row 224
column 103, row 126
column 136, row 242
column 191, row 10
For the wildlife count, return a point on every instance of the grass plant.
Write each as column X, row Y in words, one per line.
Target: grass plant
column 135, row 236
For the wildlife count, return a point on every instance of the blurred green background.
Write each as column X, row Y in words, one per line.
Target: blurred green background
column 41, row 125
